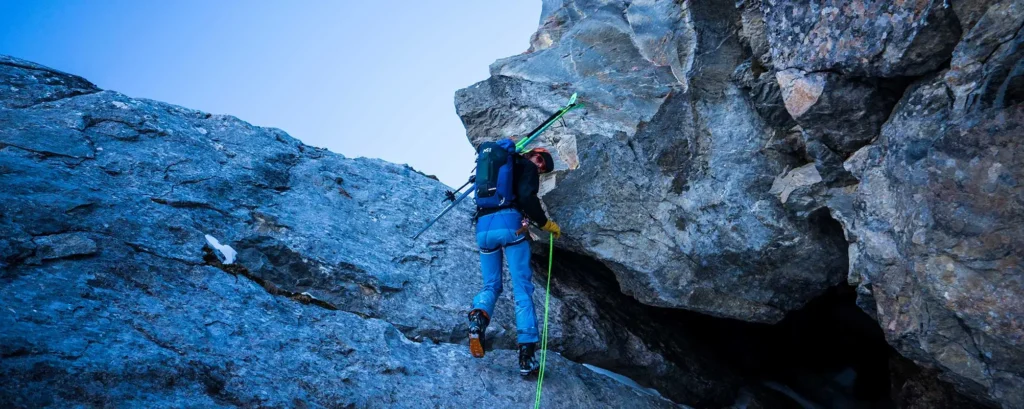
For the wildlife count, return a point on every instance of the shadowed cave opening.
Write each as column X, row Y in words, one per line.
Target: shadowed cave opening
column 828, row 354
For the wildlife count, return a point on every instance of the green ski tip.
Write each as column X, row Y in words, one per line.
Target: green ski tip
column 572, row 99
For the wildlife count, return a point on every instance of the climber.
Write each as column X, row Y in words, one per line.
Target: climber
column 509, row 189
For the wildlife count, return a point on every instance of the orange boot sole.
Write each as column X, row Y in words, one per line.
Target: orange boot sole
column 476, row 346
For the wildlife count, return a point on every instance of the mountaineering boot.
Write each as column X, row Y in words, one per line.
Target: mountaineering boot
column 527, row 362
column 478, row 320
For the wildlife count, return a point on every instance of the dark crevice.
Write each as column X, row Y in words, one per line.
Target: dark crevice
column 895, row 88
column 138, row 248
column 44, row 154
column 211, row 259
column 16, row 353
column 185, row 204
column 580, row 281
column 156, row 341
column 828, row 228
column 890, row 90
column 829, row 352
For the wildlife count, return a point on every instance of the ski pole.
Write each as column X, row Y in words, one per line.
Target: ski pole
column 450, row 195
column 446, row 210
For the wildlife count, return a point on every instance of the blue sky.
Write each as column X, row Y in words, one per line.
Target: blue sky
column 362, row 78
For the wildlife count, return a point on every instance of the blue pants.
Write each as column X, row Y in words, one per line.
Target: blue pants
column 496, row 234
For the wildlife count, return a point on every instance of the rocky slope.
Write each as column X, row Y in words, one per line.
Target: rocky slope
column 110, row 295
column 744, row 176
column 739, row 158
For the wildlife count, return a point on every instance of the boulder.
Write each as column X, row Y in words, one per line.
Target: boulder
column 859, row 37
column 27, row 83
column 934, row 224
column 843, row 114
column 664, row 176
column 936, row 239
column 686, row 163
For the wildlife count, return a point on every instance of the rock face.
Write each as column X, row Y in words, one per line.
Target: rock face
column 111, row 295
column 722, row 141
column 935, row 225
column 936, row 220
column 842, row 114
column 737, row 159
column 985, row 71
column 164, row 333
column 666, row 174
column 861, row 38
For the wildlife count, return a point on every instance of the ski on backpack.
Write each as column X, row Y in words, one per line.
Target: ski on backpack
column 521, row 145
column 493, row 186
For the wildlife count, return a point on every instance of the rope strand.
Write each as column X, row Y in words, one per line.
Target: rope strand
column 544, row 334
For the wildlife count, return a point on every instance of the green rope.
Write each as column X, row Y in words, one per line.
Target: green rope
column 544, row 334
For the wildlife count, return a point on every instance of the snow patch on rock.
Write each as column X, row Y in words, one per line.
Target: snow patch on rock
column 226, row 252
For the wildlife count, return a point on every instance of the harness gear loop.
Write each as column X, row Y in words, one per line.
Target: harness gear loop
column 524, row 226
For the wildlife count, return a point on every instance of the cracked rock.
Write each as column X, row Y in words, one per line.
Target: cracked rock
column 843, row 114
column 64, row 245
column 797, row 189
column 986, row 70
column 936, row 239
column 860, row 37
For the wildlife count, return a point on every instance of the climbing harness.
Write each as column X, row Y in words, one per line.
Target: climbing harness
column 520, row 148
column 544, row 333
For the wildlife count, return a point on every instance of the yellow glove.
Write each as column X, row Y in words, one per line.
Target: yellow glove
column 553, row 228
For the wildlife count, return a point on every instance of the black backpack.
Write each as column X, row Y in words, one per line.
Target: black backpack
column 494, row 161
